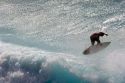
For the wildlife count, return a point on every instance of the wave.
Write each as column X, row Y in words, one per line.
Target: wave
column 42, row 41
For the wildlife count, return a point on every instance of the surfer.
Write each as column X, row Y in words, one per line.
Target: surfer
column 95, row 37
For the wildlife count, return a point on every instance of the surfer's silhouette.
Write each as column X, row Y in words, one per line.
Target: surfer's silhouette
column 95, row 37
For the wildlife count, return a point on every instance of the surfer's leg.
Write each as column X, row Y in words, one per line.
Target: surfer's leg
column 92, row 42
column 98, row 42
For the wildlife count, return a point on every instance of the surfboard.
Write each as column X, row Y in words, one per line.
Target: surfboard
column 95, row 48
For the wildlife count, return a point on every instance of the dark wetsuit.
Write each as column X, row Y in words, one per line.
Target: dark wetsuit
column 95, row 37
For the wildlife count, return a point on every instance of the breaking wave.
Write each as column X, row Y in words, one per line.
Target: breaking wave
column 42, row 41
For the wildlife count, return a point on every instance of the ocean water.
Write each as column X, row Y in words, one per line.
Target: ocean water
column 41, row 41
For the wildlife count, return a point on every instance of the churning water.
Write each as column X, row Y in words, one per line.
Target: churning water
column 41, row 41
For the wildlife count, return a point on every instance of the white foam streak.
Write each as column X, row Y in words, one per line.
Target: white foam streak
column 114, row 19
column 16, row 74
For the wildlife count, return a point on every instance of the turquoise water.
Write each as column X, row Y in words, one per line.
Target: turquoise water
column 41, row 41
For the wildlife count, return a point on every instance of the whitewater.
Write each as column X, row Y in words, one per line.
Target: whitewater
column 41, row 41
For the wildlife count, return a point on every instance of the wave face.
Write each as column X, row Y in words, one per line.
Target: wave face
column 41, row 41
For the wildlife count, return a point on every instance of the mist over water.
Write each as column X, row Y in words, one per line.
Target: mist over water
column 41, row 41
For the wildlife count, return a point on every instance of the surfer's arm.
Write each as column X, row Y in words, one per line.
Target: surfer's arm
column 106, row 34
